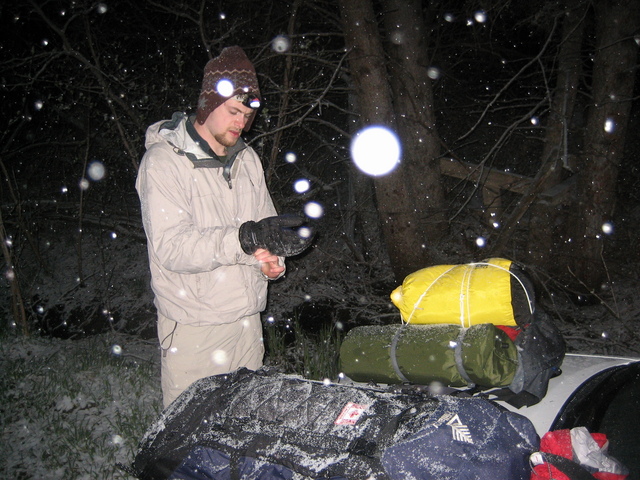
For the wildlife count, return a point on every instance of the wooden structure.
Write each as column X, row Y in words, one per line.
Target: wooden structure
column 490, row 180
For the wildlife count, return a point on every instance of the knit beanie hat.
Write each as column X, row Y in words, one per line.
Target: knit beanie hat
column 228, row 75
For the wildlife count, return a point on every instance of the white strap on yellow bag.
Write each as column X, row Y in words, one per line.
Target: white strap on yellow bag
column 467, row 294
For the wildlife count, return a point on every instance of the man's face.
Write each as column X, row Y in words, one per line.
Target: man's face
column 224, row 125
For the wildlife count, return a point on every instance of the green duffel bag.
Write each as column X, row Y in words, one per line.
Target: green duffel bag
column 481, row 355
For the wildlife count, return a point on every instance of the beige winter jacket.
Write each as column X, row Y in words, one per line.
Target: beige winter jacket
column 191, row 215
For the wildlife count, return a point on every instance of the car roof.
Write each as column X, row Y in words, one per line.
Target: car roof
column 576, row 370
column 599, row 393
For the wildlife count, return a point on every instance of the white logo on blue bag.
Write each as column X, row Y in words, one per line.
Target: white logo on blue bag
column 459, row 430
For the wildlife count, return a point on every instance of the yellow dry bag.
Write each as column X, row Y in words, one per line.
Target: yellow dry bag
column 492, row 291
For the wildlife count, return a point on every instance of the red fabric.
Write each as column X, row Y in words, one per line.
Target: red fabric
column 557, row 442
column 549, row 472
column 511, row 331
column 600, row 438
column 609, row 476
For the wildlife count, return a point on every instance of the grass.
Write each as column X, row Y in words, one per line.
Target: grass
column 313, row 355
column 74, row 409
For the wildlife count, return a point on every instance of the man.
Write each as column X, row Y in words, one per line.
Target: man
column 213, row 235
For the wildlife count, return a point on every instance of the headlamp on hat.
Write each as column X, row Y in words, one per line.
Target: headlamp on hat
column 250, row 100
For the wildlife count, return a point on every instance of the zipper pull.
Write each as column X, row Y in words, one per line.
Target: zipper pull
column 226, row 173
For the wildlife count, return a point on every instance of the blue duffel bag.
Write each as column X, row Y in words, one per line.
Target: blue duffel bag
column 270, row 426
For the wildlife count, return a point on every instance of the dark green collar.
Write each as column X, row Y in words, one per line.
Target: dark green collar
column 225, row 161
column 195, row 136
column 213, row 160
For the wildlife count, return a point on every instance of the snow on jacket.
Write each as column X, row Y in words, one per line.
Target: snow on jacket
column 192, row 208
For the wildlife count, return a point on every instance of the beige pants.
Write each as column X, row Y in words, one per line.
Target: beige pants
column 190, row 353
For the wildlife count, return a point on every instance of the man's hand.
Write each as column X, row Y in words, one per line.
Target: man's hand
column 282, row 235
column 269, row 263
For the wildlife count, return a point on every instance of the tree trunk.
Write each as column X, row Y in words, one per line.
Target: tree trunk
column 284, row 98
column 413, row 106
column 368, row 70
column 614, row 70
column 546, row 214
column 362, row 224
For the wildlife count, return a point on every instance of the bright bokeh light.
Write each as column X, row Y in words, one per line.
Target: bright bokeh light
column 281, row 44
column 375, row 150
column 607, row 227
column 290, row 157
column 301, row 185
column 219, row 357
column 102, row 8
column 481, row 242
column 609, row 125
column 225, row 88
column 480, row 16
column 305, row 232
column 313, row 210
column 433, row 73
column 96, row 171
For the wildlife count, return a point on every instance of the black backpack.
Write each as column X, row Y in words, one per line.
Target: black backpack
column 266, row 425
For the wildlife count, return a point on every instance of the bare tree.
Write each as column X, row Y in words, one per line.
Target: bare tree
column 410, row 76
column 563, row 225
column 546, row 215
column 83, row 82
column 395, row 204
column 614, row 70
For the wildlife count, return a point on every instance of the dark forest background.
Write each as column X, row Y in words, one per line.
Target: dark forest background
column 519, row 123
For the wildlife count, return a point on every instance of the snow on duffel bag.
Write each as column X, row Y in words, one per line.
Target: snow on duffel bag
column 493, row 291
column 265, row 425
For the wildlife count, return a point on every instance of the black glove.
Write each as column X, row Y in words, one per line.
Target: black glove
column 276, row 234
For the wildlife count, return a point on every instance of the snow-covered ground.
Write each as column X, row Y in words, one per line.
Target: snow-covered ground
column 73, row 409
